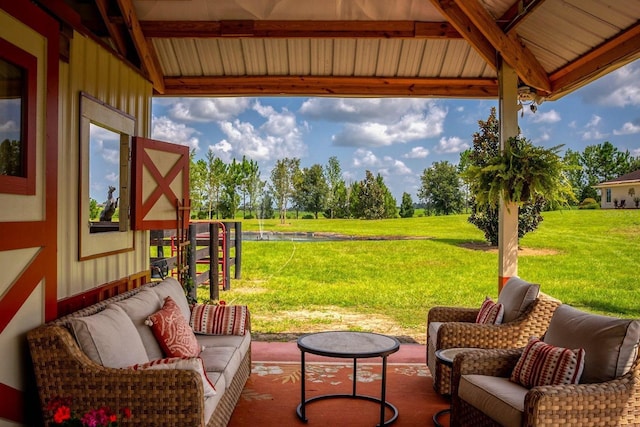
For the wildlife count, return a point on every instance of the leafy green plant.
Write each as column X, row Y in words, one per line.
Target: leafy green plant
column 519, row 174
column 589, row 203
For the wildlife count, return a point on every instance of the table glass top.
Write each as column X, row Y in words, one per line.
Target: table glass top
column 348, row 344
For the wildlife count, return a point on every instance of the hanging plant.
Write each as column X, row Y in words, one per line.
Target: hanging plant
column 521, row 173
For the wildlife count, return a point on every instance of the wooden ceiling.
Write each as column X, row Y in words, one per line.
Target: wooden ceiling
column 429, row 48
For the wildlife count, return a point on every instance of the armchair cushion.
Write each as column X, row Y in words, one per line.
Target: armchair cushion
column 499, row 398
column 610, row 344
column 545, row 364
column 490, row 313
column 516, row 296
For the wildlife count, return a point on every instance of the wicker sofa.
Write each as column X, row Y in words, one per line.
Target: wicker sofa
column 527, row 312
column 156, row 397
column 608, row 392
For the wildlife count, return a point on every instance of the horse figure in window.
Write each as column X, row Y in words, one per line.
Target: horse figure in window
column 110, row 205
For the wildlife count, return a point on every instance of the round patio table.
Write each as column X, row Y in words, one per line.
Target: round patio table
column 446, row 356
column 348, row 345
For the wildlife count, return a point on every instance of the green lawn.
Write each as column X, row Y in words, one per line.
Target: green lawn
column 586, row 258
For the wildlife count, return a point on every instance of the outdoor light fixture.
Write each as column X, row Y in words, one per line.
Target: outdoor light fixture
column 527, row 96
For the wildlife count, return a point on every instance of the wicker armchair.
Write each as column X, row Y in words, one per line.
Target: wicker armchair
column 610, row 403
column 454, row 327
column 608, row 393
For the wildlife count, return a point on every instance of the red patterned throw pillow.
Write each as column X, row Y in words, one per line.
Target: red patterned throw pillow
column 544, row 364
column 173, row 332
column 219, row 319
column 490, row 312
column 187, row 363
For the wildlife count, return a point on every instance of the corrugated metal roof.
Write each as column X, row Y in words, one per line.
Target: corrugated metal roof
column 555, row 46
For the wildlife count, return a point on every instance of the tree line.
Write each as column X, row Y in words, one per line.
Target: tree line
column 220, row 190
column 443, row 190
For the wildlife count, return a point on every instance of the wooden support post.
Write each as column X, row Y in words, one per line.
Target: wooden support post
column 191, row 260
column 214, row 261
column 508, row 215
column 238, row 251
column 227, row 255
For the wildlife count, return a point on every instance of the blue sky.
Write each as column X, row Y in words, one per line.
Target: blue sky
column 398, row 137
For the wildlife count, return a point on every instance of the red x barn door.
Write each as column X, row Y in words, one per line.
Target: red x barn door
column 161, row 182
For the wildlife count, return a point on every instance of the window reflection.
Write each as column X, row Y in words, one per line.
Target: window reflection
column 104, row 177
column 13, row 87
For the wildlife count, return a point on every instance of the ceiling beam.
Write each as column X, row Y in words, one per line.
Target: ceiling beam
column 508, row 45
column 116, row 34
column 331, row 86
column 300, row 29
column 517, row 13
column 605, row 58
column 468, row 30
column 147, row 55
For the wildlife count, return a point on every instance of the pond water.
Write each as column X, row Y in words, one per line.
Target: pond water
column 275, row 236
column 311, row 236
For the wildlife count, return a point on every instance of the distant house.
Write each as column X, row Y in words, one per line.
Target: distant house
column 620, row 192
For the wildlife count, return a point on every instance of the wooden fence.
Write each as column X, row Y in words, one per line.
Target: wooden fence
column 218, row 245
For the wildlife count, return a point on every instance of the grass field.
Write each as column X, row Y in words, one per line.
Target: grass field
column 586, row 258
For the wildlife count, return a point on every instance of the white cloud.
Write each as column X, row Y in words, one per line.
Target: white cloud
column 9, row 126
column 410, row 127
column 595, row 121
column 593, row 134
column 627, row 129
column 112, row 177
column 387, row 165
column 591, row 131
column 544, row 136
column 365, row 158
column 105, row 143
column 620, row 88
column 207, row 109
column 452, row 144
column 417, row 153
column 278, row 137
column 377, row 122
column 361, row 110
column 551, row 116
column 165, row 129
column 635, row 152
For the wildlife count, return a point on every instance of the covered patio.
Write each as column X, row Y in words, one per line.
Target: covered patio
column 86, row 56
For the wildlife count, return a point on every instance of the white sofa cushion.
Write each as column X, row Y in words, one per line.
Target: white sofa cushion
column 240, row 342
column 138, row 307
column 109, row 338
column 183, row 363
column 497, row 397
column 222, row 359
column 170, row 287
column 211, row 402
column 610, row 344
